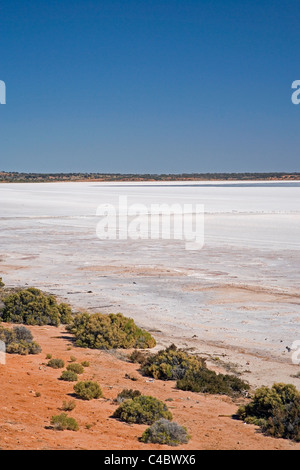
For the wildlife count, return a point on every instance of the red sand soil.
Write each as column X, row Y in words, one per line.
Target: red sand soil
column 31, row 394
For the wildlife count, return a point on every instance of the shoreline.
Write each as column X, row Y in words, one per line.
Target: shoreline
column 257, row 367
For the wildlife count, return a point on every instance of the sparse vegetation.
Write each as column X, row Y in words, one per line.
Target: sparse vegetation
column 166, row 433
column 32, row 307
column 276, row 410
column 76, row 368
column 69, row 376
column 142, row 410
column 19, row 340
column 89, row 425
column 56, row 364
column 88, row 390
column 63, row 421
column 19, row 177
column 85, row 364
column 68, row 405
column 99, row 331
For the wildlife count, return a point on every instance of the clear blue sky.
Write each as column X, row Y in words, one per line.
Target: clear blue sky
column 149, row 86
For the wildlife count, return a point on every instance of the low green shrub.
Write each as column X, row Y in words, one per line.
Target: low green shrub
column 166, row 433
column 88, row 390
column 68, row 405
column 276, row 410
column 85, row 364
column 191, row 373
column 63, row 421
column 99, row 331
column 56, row 364
column 69, row 376
column 1, row 283
column 142, row 410
column 77, row 368
column 22, row 334
column 89, row 425
column 19, row 340
column 171, row 364
column 127, row 394
column 23, row 348
column 207, row 381
column 15, row 334
column 33, row 307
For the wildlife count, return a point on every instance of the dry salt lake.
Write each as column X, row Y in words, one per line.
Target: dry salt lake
column 237, row 298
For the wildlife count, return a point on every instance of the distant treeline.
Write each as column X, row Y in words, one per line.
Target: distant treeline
column 14, row 177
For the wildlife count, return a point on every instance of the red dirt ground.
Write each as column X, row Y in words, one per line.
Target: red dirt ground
column 25, row 417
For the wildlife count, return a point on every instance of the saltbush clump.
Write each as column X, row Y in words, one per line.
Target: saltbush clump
column 19, row 340
column 63, row 421
column 69, row 376
column 88, row 390
column 75, row 367
column 99, row 331
column 68, row 405
column 85, row 364
column 56, row 364
column 171, row 364
column 65, row 313
column 22, row 334
column 142, row 410
column 191, row 373
column 127, row 394
column 1, row 283
column 33, row 307
column 276, row 410
column 207, row 381
column 166, row 433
